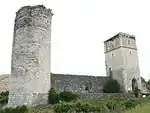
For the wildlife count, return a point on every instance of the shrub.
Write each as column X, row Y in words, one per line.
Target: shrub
column 53, row 96
column 111, row 86
column 68, row 96
column 130, row 104
column 4, row 97
column 82, row 107
column 18, row 109
column 63, row 108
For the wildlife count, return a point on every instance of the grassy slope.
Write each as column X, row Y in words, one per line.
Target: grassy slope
column 143, row 109
column 42, row 109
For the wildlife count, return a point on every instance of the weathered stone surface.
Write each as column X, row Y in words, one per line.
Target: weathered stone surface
column 121, row 57
column 4, row 79
column 78, row 83
column 30, row 73
column 74, row 83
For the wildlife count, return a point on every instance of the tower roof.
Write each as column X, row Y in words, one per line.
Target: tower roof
column 120, row 34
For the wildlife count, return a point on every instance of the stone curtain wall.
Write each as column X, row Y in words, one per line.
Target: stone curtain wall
column 30, row 73
column 78, row 83
column 75, row 83
column 106, row 95
column 72, row 83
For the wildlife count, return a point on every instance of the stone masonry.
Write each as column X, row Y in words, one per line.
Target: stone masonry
column 30, row 73
column 85, row 84
column 31, row 77
column 121, row 59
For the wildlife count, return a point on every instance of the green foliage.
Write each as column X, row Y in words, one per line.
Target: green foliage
column 4, row 97
column 145, row 108
column 111, row 86
column 130, row 104
column 18, row 109
column 75, row 107
column 53, row 96
column 99, row 106
column 68, row 96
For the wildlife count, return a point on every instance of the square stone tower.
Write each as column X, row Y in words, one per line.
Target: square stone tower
column 121, row 60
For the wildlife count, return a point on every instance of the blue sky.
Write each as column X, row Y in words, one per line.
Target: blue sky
column 79, row 28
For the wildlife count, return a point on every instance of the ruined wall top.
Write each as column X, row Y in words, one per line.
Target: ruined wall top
column 120, row 34
column 37, row 15
column 37, row 10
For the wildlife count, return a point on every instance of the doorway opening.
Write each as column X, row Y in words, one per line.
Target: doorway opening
column 134, row 84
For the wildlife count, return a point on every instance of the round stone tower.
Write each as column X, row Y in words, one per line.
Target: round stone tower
column 30, row 73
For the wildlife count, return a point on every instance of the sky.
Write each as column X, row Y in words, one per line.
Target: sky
column 79, row 28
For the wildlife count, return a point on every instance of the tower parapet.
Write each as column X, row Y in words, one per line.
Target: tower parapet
column 37, row 16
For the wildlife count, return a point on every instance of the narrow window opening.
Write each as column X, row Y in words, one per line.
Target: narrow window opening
column 110, row 72
column 128, row 41
column 130, row 52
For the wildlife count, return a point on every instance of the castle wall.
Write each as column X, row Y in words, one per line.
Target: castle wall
column 74, row 83
column 30, row 73
column 78, row 83
column 71, row 83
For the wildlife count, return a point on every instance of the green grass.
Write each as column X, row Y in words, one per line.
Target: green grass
column 145, row 108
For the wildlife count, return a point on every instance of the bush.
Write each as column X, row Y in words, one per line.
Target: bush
column 4, row 97
column 53, row 96
column 111, row 86
column 68, row 96
column 84, row 107
column 130, row 104
column 18, row 109
column 98, row 106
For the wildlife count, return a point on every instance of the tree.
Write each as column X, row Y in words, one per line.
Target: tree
column 111, row 86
